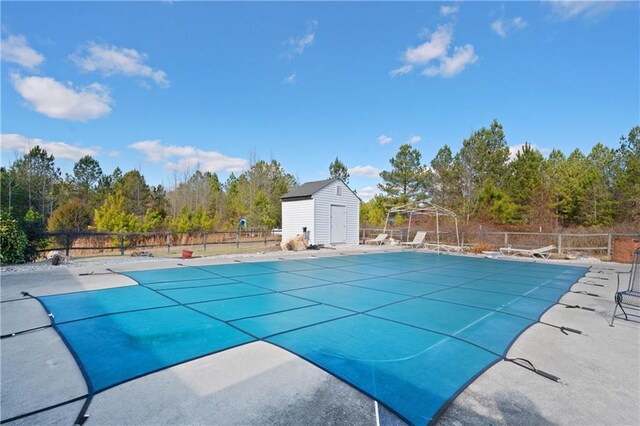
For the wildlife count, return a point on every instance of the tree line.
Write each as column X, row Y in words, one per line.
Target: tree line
column 480, row 182
column 35, row 198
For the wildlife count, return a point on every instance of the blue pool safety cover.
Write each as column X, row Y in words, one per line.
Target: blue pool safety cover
column 253, row 306
column 403, row 287
column 172, row 285
column 357, row 299
column 87, row 304
column 410, row 329
column 216, row 292
column 281, row 322
column 414, row 371
column 119, row 347
column 169, row 275
column 281, row 282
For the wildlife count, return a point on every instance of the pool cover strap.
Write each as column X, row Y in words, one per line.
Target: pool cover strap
column 585, row 293
column 586, row 308
column 592, row 283
column 525, row 363
column 29, row 330
column 572, row 330
column 41, row 410
column 84, row 274
column 82, row 415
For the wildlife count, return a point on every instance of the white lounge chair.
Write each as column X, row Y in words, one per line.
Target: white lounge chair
column 451, row 249
column 444, row 247
column 418, row 240
column 379, row 240
column 430, row 246
column 543, row 252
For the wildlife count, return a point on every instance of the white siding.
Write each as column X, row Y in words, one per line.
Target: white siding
column 323, row 199
column 295, row 216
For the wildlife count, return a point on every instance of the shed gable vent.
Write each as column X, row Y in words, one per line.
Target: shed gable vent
column 338, row 190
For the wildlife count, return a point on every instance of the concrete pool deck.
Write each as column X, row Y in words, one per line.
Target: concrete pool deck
column 260, row 383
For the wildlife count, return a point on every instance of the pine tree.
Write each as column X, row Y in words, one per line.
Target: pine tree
column 86, row 174
column 445, row 189
column 112, row 216
column 627, row 180
column 524, row 180
column 337, row 169
column 481, row 160
column 408, row 180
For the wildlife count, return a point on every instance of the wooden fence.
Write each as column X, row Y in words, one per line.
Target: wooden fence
column 596, row 243
column 109, row 242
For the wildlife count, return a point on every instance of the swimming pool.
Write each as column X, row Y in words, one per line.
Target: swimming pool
column 409, row 329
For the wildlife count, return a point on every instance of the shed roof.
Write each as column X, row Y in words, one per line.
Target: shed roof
column 307, row 189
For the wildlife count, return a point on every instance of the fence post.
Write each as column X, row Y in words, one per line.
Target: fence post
column 506, row 239
column 168, row 243
column 204, row 240
column 238, row 238
column 121, row 244
column 67, row 245
column 265, row 237
column 559, row 243
column 609, row 245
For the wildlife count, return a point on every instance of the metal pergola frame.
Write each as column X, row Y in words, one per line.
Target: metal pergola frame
column 425, row 208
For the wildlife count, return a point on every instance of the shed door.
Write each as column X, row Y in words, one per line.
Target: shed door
column 338, row 224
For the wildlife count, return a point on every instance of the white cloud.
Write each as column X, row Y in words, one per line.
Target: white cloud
column 503, row 26
column 384, row 139
column 188, row 157
column 414, row 139
column 434, row 48
column 405, row 69
column 110, row 60
column 297, row 45
column 368, row 192
column 570, row 9
column 290, row 79
column 60, row 150
column 449, row 10
column 515, row 149
column 16, row 49
column 498, row 27
column 437, row 56
column 453, row 65
column 56, row 100
column 518, row 22
column 114, row 154
column 366, row 171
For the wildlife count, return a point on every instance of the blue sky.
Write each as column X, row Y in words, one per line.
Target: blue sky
column 170, row 86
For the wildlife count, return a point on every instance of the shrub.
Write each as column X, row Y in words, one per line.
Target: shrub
column 112, row 217
column 13, row 240
column 33, row 226
column 481, row 247
column 73, row 215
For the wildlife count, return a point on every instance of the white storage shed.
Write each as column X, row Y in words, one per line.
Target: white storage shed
column 328, row 211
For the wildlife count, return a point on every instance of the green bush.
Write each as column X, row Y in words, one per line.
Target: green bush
column 33, row 226
column 13, row 240
column 72, row 216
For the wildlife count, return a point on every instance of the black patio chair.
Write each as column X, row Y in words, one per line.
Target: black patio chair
column 629, row 298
